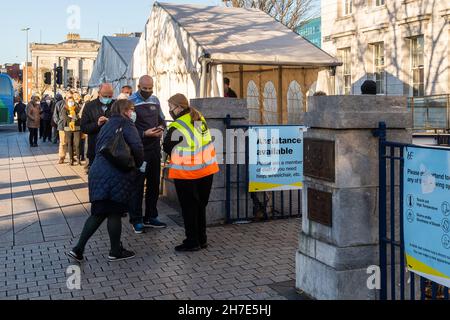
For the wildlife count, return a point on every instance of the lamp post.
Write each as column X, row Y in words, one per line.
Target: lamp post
column 26, row 68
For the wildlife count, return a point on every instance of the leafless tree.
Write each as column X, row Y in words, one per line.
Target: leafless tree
column 291, row 13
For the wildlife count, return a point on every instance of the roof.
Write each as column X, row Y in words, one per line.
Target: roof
column 124, row 46
column 245, row 36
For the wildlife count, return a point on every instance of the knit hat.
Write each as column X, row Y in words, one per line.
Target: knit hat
column 179, row 100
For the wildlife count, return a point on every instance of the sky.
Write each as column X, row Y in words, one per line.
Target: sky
column 50, row 21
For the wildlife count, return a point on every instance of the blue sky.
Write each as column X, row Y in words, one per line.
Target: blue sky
column 48, row 21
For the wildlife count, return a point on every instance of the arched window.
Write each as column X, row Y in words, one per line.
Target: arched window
column 294, row 102
column 253, row 102
column 270, row 115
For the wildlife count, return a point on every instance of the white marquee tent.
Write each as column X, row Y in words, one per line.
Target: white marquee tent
column 113, row 62
column 190, row 48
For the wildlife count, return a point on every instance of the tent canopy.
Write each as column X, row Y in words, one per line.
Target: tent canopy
column 113, row 62
column 245, row 36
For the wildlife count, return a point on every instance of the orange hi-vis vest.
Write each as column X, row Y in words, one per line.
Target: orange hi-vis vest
column 195, row 156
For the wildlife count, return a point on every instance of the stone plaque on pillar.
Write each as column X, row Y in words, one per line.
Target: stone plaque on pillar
column 319, row 159
column 320, row 205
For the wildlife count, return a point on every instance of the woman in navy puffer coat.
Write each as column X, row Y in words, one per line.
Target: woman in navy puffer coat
column 110, row 188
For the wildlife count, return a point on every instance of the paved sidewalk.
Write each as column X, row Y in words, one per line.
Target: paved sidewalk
column 43, row 207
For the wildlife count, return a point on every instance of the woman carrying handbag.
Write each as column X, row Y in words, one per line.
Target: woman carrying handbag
column 119, row 151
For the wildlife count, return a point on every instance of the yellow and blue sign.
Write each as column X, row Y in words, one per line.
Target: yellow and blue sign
column 275, row 158
column 426, row 213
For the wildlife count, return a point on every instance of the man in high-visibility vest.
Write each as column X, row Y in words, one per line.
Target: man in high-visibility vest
column 192, row 165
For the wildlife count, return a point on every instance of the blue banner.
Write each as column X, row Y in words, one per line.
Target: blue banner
column 426, row 213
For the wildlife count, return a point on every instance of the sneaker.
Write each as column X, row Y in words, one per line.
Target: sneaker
column 75, row 256
column 125, row 255
column 61, row 161
column 154, row 223
column 185, row 248
column 138, row 228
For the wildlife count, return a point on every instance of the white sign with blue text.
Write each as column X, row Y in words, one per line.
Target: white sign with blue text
column 426, row 212
column 275, row 158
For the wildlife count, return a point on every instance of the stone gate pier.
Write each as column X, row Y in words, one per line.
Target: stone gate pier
column 339, row 236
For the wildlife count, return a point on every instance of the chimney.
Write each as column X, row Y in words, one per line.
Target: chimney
column 73, row 36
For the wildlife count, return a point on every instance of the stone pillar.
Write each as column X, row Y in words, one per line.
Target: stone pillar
column 215, row 110
column 339, row 236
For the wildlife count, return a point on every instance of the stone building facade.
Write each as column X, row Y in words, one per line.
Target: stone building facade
column 75, row 55
column 401, row 44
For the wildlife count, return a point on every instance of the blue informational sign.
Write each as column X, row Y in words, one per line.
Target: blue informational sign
column 426, row 213
column 275, row 158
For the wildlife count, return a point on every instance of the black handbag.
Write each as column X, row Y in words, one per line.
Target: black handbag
column 117, row 151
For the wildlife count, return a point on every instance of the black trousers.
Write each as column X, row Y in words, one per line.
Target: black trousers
column 47, row 128
column 22, row 125
column 194, row 196
column 150, row 180
column 41, row 129
column 33, row 136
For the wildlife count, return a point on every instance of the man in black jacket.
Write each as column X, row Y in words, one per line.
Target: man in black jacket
column 150, row 125
column 95, row 114
column 19, row 109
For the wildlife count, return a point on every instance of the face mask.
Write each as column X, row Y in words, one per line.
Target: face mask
column 70, row 103
column 105, row 100
column 48, row 101
column 146, row 94
column 133, row 116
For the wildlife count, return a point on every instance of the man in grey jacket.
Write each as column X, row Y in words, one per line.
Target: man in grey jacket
column 58, row 119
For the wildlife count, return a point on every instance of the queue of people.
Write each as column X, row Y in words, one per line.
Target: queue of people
column 125, row 138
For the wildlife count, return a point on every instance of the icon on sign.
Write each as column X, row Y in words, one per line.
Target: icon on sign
column 446, row 241
column 410, row 201
column 410, row 216
column 445, row 208
column 446, row 225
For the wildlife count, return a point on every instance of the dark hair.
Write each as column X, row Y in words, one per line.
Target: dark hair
column 121, row 106
column 127, row 86
column 369, row 87
column 226, row 81
column 319, row 93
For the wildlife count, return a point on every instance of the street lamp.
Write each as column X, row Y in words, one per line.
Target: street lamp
column 26, row 68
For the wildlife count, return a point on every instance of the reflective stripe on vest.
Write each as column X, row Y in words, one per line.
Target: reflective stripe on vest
column 195, row 157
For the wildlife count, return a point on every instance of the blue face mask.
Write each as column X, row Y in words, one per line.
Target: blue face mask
column 105, row 100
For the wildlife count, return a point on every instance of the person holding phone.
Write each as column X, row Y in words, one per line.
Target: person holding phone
column 150, row 124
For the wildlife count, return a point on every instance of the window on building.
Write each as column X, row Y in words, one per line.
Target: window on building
column 270, row 115
column 253, row 102
column 379, row 2
column 378, row 66
column 345, row 70
column 417, row 46
column 294, row 102
column 347, row 7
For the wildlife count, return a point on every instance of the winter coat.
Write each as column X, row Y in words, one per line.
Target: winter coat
column 33, row 116
column 46, row 109
column 106, row 182
column 19, row 109
column 92, row 111
column 58, row 115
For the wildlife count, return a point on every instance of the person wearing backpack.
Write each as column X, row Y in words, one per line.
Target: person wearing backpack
column 110, row 187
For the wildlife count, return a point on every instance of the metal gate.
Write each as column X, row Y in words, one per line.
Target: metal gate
column 243, row 206
column 397, row 283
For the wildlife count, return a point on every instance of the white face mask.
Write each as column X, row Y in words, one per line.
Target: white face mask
column 70, row 103
column 133, row 116
column 48, row 101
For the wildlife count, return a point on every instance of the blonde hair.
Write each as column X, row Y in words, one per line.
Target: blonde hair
column 181, row 101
